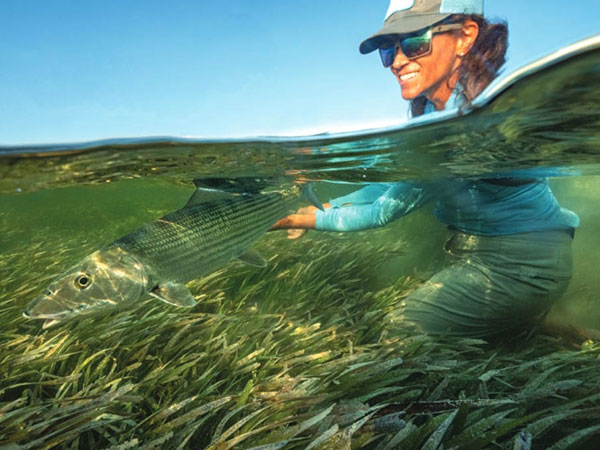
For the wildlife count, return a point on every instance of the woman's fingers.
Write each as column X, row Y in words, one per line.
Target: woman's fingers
column 296, row 233
column 307, row 210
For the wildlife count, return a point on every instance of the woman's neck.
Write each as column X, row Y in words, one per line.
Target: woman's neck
column 442, row 92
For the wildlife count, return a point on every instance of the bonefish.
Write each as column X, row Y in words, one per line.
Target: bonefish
column 220, row 222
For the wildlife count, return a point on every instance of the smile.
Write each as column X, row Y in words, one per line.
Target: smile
column 408, row 76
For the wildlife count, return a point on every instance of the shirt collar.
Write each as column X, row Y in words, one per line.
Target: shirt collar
column 456, row 100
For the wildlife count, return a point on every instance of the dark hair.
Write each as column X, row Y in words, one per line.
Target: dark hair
column 481, row 65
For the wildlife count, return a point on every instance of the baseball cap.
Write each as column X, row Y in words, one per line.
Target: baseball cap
column 408, row 16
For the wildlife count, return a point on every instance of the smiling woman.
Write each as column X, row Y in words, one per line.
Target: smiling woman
column 486, row 45
column 509, row 245
column 461, row 49
column 433, row 73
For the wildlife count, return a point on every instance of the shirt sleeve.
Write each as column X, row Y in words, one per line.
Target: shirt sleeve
column 362, row 196
column 396, row 201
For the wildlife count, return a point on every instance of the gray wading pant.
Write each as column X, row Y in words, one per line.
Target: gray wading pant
column 492, row 285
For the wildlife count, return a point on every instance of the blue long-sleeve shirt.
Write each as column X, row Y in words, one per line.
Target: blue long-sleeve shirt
column 489, row 207
column 479, row 207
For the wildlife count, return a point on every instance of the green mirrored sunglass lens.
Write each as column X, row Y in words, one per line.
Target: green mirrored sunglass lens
column 415, row 46
column 412, row 47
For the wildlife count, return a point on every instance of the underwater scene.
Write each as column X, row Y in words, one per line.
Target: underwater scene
column 292, row 350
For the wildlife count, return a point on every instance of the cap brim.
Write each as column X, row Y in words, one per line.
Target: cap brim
column 400, row 25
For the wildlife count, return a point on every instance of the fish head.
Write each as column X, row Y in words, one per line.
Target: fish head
column 105, row 278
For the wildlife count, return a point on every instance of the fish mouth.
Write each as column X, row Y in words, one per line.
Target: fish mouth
column 50, row 317
column 50, row 320
column 48, row 323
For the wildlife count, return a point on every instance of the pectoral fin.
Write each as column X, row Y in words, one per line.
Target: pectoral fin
column 253, row 258
column 174, row 294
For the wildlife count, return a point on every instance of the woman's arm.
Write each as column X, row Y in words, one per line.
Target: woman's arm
column 396, row 201
column 305, row 218
column 365, row 195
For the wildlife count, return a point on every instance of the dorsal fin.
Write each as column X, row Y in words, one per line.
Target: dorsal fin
column 203, row 195
column 309, row 195
column 239, row 185
column 218, row 188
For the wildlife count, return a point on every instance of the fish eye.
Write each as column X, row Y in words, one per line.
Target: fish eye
column 83, row 281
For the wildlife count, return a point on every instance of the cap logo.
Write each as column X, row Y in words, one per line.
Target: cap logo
column 399, row 5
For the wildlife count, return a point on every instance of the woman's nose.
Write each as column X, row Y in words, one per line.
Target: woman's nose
column 400, row 59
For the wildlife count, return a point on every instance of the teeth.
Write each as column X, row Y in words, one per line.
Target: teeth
column 408, row 76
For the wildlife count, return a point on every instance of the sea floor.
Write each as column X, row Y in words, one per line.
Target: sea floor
column 296, row 355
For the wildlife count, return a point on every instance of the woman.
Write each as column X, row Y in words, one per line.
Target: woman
column 510, row 246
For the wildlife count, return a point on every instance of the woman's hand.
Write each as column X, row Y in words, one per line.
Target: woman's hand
column 307, row 210
column 299, row 223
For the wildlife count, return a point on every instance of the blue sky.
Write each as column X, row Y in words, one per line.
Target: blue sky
column 78, row 70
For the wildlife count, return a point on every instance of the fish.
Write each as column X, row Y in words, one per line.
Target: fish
column 219, row 223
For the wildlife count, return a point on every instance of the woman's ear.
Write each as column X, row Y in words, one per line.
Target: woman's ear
column 467, row 37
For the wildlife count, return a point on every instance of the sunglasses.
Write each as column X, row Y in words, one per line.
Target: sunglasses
column 413, row 45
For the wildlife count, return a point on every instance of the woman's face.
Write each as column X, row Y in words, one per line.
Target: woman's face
column 433, row 75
